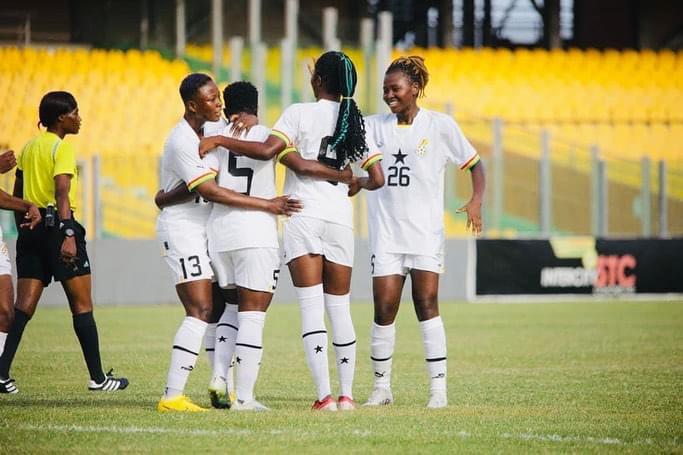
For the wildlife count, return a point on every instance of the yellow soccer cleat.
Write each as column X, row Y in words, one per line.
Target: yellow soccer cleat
column 181, row 403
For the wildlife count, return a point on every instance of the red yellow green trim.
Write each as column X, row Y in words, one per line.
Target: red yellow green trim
column 370, row 161
column 201, row 179
column 471, row 162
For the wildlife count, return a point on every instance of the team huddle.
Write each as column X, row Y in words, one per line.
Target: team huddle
column 218, row 221
column 218, row 229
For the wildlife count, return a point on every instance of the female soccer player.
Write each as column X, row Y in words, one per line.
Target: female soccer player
column 318, row 241
column 47, row 177
column 405, row 220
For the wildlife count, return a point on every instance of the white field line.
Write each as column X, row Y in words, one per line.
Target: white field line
column 553, row 438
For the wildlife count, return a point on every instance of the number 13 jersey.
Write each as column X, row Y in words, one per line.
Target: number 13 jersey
column 405, row 216
column 231, row 228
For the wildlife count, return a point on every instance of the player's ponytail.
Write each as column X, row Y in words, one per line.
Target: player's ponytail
column 338, row 74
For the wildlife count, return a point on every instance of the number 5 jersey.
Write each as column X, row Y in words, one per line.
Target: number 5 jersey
column 232, row 228
column 405, row 216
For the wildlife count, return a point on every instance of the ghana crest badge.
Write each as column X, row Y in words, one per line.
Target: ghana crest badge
column 422, row 147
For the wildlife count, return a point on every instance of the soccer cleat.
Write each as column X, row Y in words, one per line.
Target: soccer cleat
column 437, row 399
column 381, row 396
column 252, row 405
column 345, row 403
column 109, row 384
column 8, row 386
column 326, row 404
column 218, row 392
column 181, row 403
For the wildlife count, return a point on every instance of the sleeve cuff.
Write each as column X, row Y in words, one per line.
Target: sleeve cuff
column 284, row 153
column 201, row 179
column 282, row 136
column 370, row 161
column 471, row 162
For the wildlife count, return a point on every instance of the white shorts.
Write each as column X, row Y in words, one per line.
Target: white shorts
column 257, row 269
column 186, row 255
column 384, row 264
column 304, row 235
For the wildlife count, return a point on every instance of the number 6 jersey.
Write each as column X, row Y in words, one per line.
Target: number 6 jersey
column 405, row 216
column 232, row 228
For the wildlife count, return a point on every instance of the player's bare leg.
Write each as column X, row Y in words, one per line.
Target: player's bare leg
column 29, row 291
column 196, row 297
column 336, row 287
column 249, row 346
column 386, row 291
column 425, row 298
column 307, row 273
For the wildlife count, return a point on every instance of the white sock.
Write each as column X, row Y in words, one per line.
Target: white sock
column 343, row 339
column 226, row 334
column 314, row 334
column 3, row 337
column 186, row 346
column 434, row 338
column 382, row 339
column 210, row 342
column 248, row 352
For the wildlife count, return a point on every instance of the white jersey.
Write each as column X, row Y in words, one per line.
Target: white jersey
column 405, row 216
column 231, row 228
column 309, row 127
column 180, row 163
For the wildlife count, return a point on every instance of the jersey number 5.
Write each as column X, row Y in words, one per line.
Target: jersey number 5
column 240, row 172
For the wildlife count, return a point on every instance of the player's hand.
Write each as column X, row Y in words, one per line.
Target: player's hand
column 346, row 175
column 7, row 161
column 69, row 249
column 241, row 123
column 206, row 144
column 354, row 186
column 32, row 217
column 283, row 205
column 473, row 210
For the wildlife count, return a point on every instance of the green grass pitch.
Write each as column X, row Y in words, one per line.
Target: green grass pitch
column 576, row 377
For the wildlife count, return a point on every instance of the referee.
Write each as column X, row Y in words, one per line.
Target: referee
column 47, row 177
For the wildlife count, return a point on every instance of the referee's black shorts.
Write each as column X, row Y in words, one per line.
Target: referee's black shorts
column 39, row 253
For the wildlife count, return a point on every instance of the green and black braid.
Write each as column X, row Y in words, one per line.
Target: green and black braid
column 338, row 75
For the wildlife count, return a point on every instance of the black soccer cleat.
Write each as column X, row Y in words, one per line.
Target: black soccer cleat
column 8, row 386
column 110, row 384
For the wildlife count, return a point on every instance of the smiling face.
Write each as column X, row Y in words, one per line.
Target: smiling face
column 400, row 93
column 207, row 104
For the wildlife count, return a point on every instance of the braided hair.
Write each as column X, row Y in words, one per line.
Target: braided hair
column 338, row 76
column 414, row 68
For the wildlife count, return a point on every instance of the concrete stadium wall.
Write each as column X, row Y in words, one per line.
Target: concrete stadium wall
column 132, row 272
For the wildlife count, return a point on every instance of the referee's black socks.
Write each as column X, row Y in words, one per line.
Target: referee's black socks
column 86, row 331
column 12, row 343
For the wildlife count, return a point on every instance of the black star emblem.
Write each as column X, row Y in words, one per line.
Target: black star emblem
column 318, row 349
column 344, row 360
column 399, row 157
column 222, row 340
column 238, row 360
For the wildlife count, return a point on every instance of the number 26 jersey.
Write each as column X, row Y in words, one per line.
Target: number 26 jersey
column 405, row 216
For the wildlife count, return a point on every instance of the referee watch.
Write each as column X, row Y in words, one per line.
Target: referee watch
column 66, row 227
